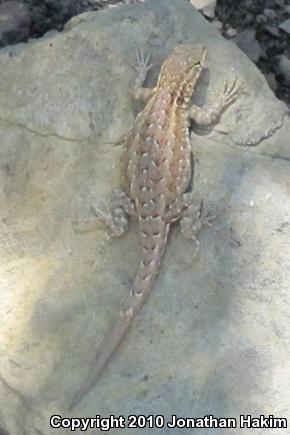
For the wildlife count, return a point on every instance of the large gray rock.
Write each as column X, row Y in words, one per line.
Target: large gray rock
column 214, row 335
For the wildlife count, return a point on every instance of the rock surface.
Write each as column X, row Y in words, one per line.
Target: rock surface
column 246, row 41
column 285, row 26
column 214, row 335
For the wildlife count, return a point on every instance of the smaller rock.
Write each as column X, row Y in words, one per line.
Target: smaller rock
column 284, row 67
column 270, row 13
column 207, row 7
column 261, row 19
column 271, row 79
column 287, row 9
column 248, row 4
column 231, row 33
column 247, row 42
column 273, row 30
column 248, row 18
column 285, row 26
column 279, row 3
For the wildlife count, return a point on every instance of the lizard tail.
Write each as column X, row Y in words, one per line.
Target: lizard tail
column 153, row 248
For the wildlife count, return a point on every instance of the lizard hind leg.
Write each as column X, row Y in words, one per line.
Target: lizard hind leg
column 193, row 219
column 115, row 214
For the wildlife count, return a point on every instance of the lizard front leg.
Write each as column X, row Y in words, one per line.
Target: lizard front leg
column 115, row 214
column 142, row 67
column 211, row 115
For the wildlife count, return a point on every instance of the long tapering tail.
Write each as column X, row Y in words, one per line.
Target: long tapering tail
column 153, row 247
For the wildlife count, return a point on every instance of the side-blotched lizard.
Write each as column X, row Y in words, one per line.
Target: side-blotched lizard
column 156, row 169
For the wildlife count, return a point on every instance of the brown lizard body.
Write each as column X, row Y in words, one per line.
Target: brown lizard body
column 156, row 170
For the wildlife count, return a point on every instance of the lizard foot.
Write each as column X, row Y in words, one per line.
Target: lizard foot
column 115, row 214
column 193, row 219
column 230, row 93
column 142, row 67
column 143, row 64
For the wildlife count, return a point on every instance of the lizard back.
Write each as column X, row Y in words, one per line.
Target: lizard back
column 156, row 160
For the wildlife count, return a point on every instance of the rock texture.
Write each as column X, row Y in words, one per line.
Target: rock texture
column 214, row 335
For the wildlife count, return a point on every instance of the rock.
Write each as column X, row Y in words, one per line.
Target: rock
column 279, row 3
column 271, row 80
column 216, row 324
column 270, row 13
column 230, row 32
column 247, row 42
column 285, row 26
column 249, row 18
column 273, row 30
column 261, row 19
column 284, row 67
column 64, row 7
column 14, row 22
column 207, row 7
column 248, row 4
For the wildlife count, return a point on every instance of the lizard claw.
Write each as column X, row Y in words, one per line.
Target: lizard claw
column 115, row 213
column 207, row 220
column 115, row 220
column 143, row 64
column 231, row 92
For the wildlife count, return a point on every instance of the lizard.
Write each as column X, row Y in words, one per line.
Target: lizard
column 156, row 171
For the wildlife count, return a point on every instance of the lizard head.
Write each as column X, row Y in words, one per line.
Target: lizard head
column 182, row 69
